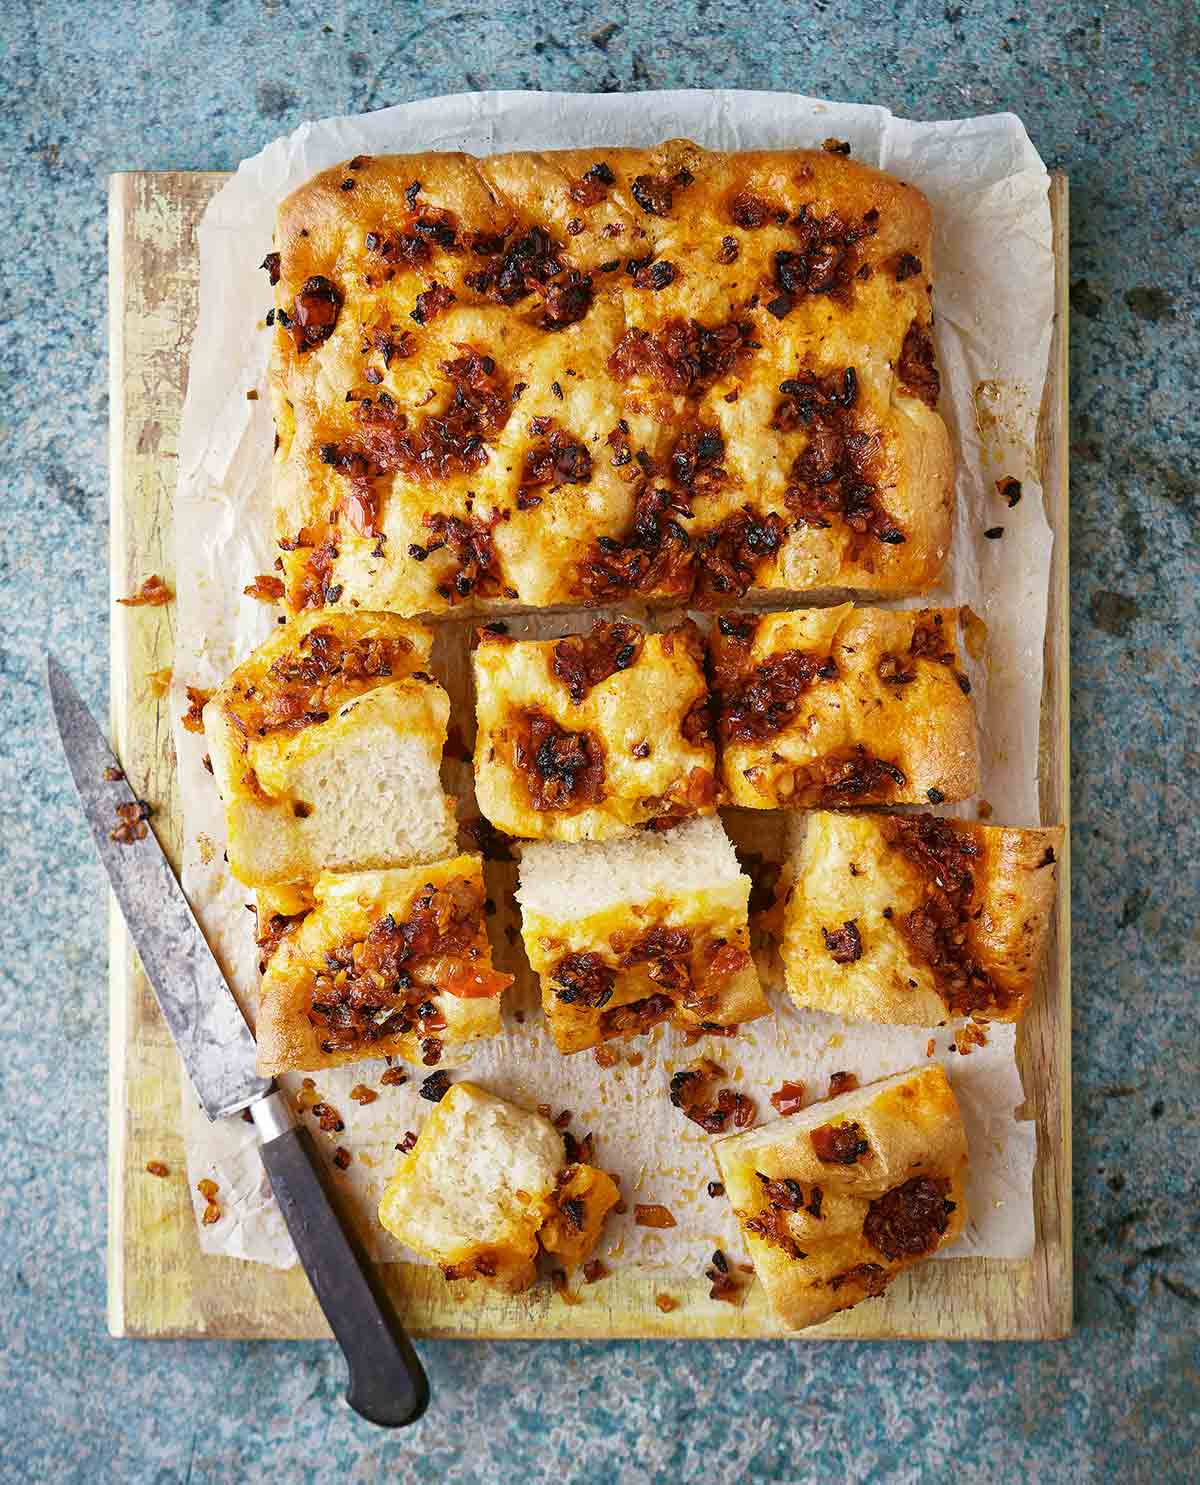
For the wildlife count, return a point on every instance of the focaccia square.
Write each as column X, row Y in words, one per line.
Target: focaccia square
column 843, row 706
column 590, row 736
column 486, row 1184
column 382, row 964
column 838, row 1199
column 625, row 934
column 913, row 920
column 326, row 745
column 595, row 375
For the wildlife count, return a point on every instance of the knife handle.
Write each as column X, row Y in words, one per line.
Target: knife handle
column 388, row 1385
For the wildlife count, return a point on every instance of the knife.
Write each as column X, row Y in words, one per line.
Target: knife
column 388, row 1385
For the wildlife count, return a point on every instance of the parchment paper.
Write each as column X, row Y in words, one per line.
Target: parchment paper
column 993, row 300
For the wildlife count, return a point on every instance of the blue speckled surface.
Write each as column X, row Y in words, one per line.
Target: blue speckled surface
column 1103, row 90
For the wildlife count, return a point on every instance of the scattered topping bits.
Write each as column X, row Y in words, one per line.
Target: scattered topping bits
column 788, row 1098
column 342, row 1158
column 684, row 356
column 994, row 533
column 582, row 662
column 328, row 1117
column 1010, row 489
column 431, row 302
column 970, row 1036
column 562, row 770
column 392, row 1078
column 839, row 1144
column 152, row 594
column 906, row 266
column 583, row 979
column 845, row 943
column 314, row 313
column 272, row 264
column 363, row 1095
column 594, row 1270
column 408, row 1142
column 835, row 146
column 435, row 1086
column 114, row 774
column 870, row 1275
column 131, row 822
column 665, row 1303
column 159, row 681
column 917, row 367
column 654, row 193
column 756, row 702
column 265, row 588
column 605, row 1056
column 716, row 1188
column 841, row 1082
column 212, row 1211
column 157, row 1168
column 908, row 1220
column 652, row 1215
column 655, row 275
column 690, row 1086
column 193, row 719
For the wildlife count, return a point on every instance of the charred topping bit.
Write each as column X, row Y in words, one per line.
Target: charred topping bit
column 697, row 460
column 265, row 588
column 729, row 555
column 935, row 796
column 836, row 146
column 655, row 556
column 841, row 1082
column 152, row 594
column 314, row 313
column 555, row 459
column 592, row 185
column 605, row 1057
column 724, row 1285
column 362, row 1095
column 431, row 1050
column 750, row 211
column 562, row 770
column 968, row 1037
column 431, row 302
column 477, row 568
column 566, row 300
column 656, row 193
column 393, row 1078
column 157, row 1168
column 655, row 276
column 493, row 844
column 594, row 1270
column 114, row 774
column 1011, row 490
column 685, row 356
column 696, row 727
column 1047, row 858
column 409, row 1141
column 845, row 943
column 435, row 1086
column 839, row 1144
column 272, row 933
column 788, row 1098
column 917, row 367
column 873, row 1279
column 578, row 1151
column 833, row 473
column 271, row 264
column 636, row 1018
column 327, row 1117
column 906, row 266
column 583, row 979
column 781, row 1196
column 909, row 1220
column 728, row 251
column 532, row 263
column 938, row 930
column 994, row 533
column 715, row 1189
column 837, row 778
column 131, row 822
column 193, row 719
column 650, row 1214
column 342, row 1156
column 584, row 661
column 768, row 699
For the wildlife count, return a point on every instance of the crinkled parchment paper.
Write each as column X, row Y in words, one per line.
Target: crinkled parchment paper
column 993, row 298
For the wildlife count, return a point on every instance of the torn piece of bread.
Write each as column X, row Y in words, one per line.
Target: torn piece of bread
column 589, row 736
column 384, row 964
column 486, row 1182
column 843, row 706
column 326, row 746
column 625, row 934
column 596, row 375
column 838, row 1199
column 913, row 919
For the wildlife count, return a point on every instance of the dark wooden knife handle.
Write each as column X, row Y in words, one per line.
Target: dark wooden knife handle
column 388, row 1385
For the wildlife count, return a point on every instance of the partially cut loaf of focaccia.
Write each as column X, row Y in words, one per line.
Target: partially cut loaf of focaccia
column 589, row 736
column 838, row 1199
column 914, row 920
column 595, row 376
column 378, row 964
column 842, row 706
column 486, row 1185
column 629, row 933
column 326, row 746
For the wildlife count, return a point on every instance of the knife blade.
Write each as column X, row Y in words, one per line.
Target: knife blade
column 198, row 1006
column 388, row 1385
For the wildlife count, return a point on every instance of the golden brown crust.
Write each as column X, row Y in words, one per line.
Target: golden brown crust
column 834, row 1237
column 882, row 715
column 615, row 270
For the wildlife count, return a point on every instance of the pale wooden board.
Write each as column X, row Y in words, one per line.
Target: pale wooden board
column 159, row 1282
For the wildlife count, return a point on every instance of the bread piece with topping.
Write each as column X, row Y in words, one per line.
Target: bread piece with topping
column 626, row 934
column 913, row 920
column 381, row 964
column 593, row 376
column 326, row 746
column 838, row 1199
column 842, row 706
column 487, row 1183
column 589, row 736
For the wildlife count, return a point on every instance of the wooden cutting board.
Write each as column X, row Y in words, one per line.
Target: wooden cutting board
column 159, row 1282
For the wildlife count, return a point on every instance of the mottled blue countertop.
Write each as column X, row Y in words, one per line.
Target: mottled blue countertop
column 1107, row 95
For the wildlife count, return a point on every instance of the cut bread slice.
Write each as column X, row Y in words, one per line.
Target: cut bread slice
column 842, row 706
column 485, row 1182
column 326, row 746
column 390, row 963
column 627, row 933
column 589, row 736
column 838, row 1199
column 912, row 919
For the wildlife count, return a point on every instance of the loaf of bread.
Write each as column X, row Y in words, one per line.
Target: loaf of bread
column 488, row 1182
column 838, row 1199
column 589, row 736
column 914, row 919
column 326, row 746
column 627, row 933
column 842, row 706
column 390, row 963
column 594, row 376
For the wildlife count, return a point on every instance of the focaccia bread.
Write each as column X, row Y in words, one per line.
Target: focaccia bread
column 625, row 934
column 838, row 1199
column 326, row 745
column 587, row 737
column 912, row 919
column 382, row 964
column 598, row 375
column 488, row 1182
column 843, row 706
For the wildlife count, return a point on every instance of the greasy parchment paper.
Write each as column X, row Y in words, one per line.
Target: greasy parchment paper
column 993, row 299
